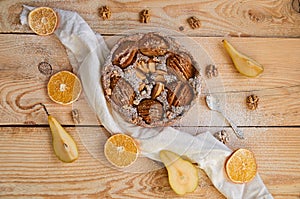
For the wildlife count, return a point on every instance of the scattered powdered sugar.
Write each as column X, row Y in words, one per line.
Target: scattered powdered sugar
column 144, row 78
column 132, row 79
column 170, row 78
column 163, row 99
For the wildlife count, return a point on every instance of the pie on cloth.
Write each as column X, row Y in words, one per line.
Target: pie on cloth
column 90, row 51
column 150, row 80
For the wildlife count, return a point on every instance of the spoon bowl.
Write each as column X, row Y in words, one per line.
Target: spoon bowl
column 214, row 104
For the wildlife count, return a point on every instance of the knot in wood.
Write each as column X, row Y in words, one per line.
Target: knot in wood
column 296, row 5
column 45, row 68
column 256, row 16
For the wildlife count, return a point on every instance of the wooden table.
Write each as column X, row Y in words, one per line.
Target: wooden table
column 268, row 31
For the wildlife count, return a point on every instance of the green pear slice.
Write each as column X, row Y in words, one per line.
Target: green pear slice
column 183, row 175
column 64, row 146
column 244, row 64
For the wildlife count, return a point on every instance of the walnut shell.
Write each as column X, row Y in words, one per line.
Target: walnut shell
column 125, row 54
column 150, row 110
column 153, row 45
column 182, row 65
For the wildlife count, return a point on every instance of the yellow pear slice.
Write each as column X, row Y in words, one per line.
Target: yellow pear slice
column 244, row 64
column 183, row 175
column 63, row 144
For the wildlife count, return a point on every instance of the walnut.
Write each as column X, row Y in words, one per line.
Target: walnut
column 75, row 116
column 145, row 16
column 211, row 71
column 105, row 12
column 222, row 136
column 194, row 22
column 252, row 102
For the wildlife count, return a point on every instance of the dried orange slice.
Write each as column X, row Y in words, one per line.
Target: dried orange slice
column 241, row 166
column 64, row 87
column 121, row 150
column 43, row 20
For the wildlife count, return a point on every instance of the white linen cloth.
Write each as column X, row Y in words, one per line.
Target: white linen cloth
column 90, row 50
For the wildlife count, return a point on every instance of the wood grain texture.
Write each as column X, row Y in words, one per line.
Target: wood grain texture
column 268, row 31
column 22, row 86
column 274, row 18
column 30, row 169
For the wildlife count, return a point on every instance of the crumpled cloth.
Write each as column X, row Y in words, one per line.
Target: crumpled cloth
column 90, row 50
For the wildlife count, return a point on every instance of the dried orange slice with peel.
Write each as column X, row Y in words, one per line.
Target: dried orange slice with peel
column 121, row 150
column 43, row 20
column 64, row 87
column 241, row 166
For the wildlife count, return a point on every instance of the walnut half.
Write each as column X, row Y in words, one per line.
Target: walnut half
column 252, row 102
column 222, row 136
column 211, row 71
column 105, row 12
column 194, row 22
column 145, row 16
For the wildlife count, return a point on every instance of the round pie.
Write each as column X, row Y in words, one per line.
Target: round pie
column 150, row 80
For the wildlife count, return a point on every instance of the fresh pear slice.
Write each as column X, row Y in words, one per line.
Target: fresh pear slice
column 63, row 144
column 244, row 64
column 183, row 175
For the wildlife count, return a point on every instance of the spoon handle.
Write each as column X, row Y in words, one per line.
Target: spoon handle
column 236, row 130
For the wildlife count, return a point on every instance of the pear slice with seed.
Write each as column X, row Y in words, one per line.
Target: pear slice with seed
column 183, row 175
column 244, row 64
column 63, row 144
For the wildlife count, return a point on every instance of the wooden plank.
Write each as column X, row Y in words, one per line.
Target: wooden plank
column 30, row 169
column 274, row 18
column 22, row 86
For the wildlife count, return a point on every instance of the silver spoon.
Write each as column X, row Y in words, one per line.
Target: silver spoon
column 213, row 104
